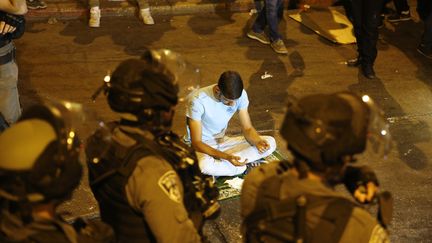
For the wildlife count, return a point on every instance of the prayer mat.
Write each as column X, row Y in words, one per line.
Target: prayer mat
column 226, row 191
column 330, row 23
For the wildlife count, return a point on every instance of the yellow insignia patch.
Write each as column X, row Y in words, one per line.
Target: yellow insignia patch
column 169, row 184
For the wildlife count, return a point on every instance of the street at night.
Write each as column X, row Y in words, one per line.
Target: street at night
column 63, row 58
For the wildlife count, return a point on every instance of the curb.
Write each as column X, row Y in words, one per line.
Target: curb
column 73, row 10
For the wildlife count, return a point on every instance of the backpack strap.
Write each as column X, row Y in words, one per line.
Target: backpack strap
column 338, row 211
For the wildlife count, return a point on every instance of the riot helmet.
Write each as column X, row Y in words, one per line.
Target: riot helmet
column 136, row 86
column 39, row 157
column 146, row 90
column 322, row 129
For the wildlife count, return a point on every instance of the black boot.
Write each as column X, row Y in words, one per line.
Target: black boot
column 368, row 71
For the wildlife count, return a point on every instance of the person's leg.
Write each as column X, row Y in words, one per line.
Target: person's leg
column 357, row 10
column 239, row 146
column 273, row 11
column 280, row 11
column 95, row 13
column 369, row 33
column 10, row 105
column 272, row 8
column 260, row 21
column 425, row 47
column 257, row 31
column 427, row 35
column 348, row 9
column 370, row 30
column 401, row 6
column 258, row 5
column 216, row 167
column 93, row 3
column 145, row 12
column 402, row 11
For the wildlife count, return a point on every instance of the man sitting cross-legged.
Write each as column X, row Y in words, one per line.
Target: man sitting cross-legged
column 208, row 113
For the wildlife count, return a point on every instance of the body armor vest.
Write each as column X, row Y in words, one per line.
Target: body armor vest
column 285, row 220
column 109, row 176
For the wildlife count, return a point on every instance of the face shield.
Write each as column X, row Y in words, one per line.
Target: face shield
column 378, row 133
column 53, row 171
column 186, row 76
column 78, row 120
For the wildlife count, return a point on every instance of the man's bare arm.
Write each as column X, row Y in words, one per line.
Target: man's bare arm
column 250, row 132
column 18, row 7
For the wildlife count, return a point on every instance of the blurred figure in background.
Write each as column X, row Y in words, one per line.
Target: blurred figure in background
column 424, row 9
column 12, row 26
column 366, row 17
column 269, row 16
column 95, row 12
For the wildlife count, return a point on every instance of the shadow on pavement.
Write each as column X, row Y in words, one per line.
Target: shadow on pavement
column 128, row 32
column 200, row 24
column 406, row 37
column 405, row 132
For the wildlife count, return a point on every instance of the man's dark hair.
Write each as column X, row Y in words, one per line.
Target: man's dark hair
column 231, row 84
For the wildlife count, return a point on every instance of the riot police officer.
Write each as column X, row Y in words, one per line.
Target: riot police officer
column 39, row 169
column 146, row 181
column 296, row 201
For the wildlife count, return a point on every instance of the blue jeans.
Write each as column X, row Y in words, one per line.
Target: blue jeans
column 9, row 100
column 270, row 15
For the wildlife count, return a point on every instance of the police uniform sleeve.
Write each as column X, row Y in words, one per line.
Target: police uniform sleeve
column 362, row 227
column 154, row 189
column 251, row 184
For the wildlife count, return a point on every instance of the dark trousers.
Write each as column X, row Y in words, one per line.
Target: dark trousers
column 427, row 34
column 270, row 15
column 401, row 5
column 365, row 15
column 424, row 9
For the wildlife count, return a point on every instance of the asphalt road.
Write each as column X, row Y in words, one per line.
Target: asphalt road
column 67, row 60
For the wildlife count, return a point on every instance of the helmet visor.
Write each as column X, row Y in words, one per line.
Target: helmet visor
column 378, row 133
column 186, row 75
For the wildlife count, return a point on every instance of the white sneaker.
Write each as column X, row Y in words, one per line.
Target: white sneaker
column 95, row 15
column 146, row 16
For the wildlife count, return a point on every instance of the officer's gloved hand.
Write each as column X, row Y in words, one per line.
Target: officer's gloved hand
column 362, row 183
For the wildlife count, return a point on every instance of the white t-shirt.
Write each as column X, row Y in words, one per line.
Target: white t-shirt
column 214, row 116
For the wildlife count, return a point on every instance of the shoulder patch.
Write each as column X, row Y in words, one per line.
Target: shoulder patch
column 169, row 184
